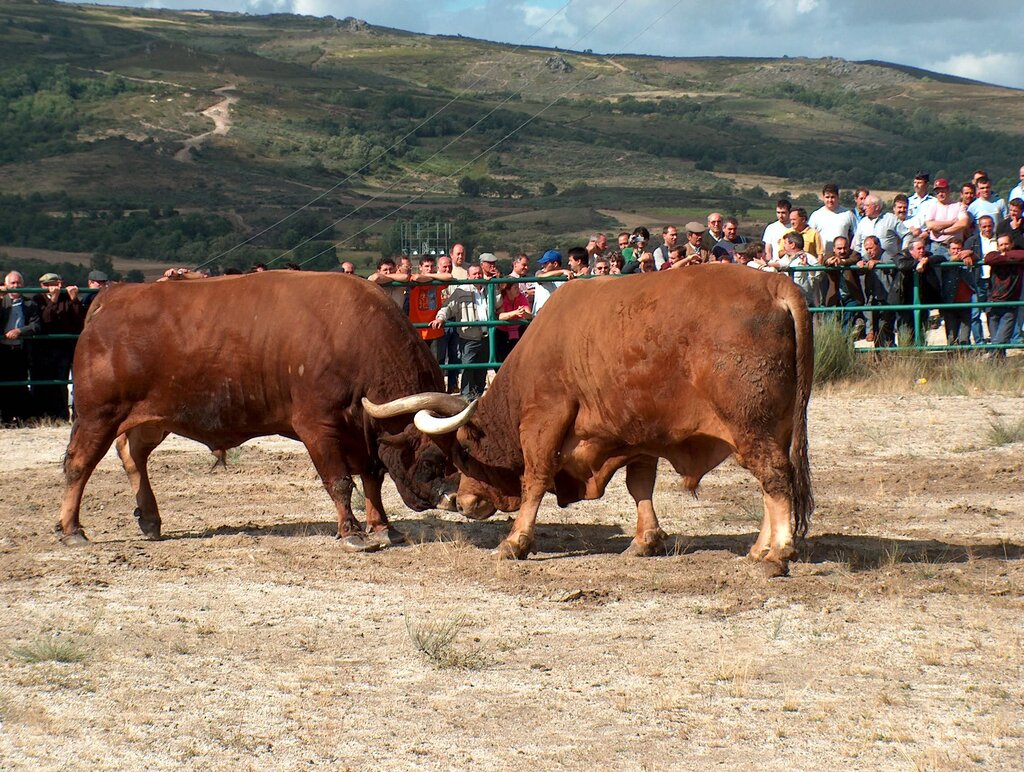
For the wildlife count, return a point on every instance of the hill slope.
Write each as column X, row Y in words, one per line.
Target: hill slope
column 351, row 122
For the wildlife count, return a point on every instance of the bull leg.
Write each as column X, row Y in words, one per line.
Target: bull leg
column 378, row 528
column 134, row 447
column 88, row 444
column 542, row 436
column 333, row 471
column 774, row 546
column 518, row 543
column 649, row 539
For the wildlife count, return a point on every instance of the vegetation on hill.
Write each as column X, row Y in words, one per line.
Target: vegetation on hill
column 341, row 130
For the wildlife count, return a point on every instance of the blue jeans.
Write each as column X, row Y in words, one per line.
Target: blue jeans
column 450, row 352
column 1001, row 323
column 475, row 379
column 977, row 331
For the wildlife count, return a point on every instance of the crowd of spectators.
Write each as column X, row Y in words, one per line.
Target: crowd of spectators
column 877, row 253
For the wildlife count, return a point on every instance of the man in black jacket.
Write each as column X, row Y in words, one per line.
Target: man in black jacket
column 19, row 319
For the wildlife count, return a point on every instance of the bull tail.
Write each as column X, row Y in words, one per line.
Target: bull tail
column 803, row 497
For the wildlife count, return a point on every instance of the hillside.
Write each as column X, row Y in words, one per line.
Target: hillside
column 217, row 126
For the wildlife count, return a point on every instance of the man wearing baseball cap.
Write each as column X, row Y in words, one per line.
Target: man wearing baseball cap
column 550, row 266
column 62, row 313
column 942, row 219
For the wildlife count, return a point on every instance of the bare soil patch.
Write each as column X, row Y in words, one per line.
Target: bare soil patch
column 246, row 637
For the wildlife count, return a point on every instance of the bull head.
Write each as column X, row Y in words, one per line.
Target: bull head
column 423, row 474
column 487, row 485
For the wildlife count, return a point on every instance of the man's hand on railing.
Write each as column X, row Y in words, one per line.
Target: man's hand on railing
column 437, row 324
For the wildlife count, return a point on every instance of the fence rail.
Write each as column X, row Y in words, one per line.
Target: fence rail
column 916, row 307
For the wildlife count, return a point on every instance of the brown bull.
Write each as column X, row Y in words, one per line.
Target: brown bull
column 224, row 360
column 692, row 366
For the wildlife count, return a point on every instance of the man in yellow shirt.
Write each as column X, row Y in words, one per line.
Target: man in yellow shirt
column 813, row 244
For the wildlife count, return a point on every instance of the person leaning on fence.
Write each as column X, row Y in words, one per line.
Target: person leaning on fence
column 424, row 303
column 97, row 280
column 979, row 245
column 957, row 287
column 448, row 348
column 62, row 313
column 385, row 274
column 468, row 303
column 514, row 306
column 19, row 319
column 843, row 288
column 1007, row 266
column 915, row 261
column 794, row 256
column 1014, row 223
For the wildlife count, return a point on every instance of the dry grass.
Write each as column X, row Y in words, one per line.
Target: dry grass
column 1005, row 432
column 924, row 372
column 64, row 650
column 437, row 641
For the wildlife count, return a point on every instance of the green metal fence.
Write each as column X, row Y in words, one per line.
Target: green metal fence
column 919, row 310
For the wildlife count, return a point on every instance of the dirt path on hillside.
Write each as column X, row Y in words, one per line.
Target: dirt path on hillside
column 220, row 114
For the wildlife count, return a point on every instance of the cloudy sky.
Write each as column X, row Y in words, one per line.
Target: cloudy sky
column 950, row 36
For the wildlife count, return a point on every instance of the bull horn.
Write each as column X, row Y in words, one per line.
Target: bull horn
column 448, row 404
column 428, row 423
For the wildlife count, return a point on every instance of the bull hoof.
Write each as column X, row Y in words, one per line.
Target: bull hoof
column 772, row 569
column 74, row 539
column 757, row 554
column 150, row 528
column 651, row 543
column 387, row 537
column 356, row 543
column 509, row 551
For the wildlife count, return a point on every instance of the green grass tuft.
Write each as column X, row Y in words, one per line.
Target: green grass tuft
column 64, row 650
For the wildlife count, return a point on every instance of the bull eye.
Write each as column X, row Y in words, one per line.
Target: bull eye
column 463, row 451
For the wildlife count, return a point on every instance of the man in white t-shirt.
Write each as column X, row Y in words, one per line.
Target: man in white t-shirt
column 984, row 203
column 832, row 220
column 773, row 233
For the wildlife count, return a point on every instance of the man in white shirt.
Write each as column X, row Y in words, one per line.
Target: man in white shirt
column 832, row 220
column 669, row 238
column 458, row 255
column 983, row 204
column 468, row 303
column 773, row 233
column 980, row 244
column 886, row 227
column 1018, row 189
column 920, row 195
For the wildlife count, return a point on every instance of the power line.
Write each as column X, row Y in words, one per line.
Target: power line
column 423, row 163
column 384, row 153
column 529, row 120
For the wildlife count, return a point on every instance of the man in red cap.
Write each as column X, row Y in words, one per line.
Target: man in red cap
column 943, row 220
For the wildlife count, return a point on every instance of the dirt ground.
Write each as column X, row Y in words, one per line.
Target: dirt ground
column 246, row 638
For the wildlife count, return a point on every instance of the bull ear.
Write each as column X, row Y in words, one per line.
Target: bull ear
column 393, row 440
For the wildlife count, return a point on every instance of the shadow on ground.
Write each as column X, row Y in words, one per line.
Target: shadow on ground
column 860, row 552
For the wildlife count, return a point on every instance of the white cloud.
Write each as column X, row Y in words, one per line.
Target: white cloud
column 1005, row 68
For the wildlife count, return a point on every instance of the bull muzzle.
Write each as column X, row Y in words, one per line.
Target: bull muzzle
column 448, row 502
column 474, row 507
